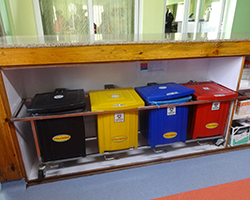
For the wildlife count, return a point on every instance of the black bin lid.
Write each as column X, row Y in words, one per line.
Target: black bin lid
column 58, row 101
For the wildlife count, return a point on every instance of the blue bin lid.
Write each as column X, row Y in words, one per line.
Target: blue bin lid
column 180, row 100
column 163, row 91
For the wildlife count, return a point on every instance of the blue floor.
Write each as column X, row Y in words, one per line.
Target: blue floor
column 140, row 183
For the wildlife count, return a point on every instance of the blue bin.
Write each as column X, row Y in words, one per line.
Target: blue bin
column 164, row 125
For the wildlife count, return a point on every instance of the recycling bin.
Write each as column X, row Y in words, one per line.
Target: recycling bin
column 164, row 125
column 60, row 137
column 209, row 119
column 117, row 129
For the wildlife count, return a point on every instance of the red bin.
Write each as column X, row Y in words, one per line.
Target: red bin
column 209, row 119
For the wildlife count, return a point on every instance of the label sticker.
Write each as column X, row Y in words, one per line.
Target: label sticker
column 216, row 106
column 219, row 95
column 61, row 138
column 118, row 105
column 171, row 93
column 163, row 87
column 119, row 139
column 206, row 88
column 171, row 111
column 170, row 135
column 212, row 125
column 241, row 136
column 115, row 96
column 119, row 117
column 59, row 96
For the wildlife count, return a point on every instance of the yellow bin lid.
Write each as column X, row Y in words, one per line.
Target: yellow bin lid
column 114, row 99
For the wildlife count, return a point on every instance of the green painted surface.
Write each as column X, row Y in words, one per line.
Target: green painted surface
column 241, row 23
column 22, row 18
column 153, row 17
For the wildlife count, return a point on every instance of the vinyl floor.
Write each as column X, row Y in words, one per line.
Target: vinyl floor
column 208, row 177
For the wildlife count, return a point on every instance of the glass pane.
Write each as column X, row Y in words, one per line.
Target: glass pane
column 114, row 19
column 210, row 14
column 173, row 30
column 65, row 18
column 177, row 11
column 2, row 31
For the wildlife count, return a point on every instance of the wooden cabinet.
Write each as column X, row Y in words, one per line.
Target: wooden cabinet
column 27, row 71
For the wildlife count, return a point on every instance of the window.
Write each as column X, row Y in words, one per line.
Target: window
column 109, row 19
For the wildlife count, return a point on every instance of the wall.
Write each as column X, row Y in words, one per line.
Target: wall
column 237, row 25
column 153, row 18
column 170, row 2
column 241, row 23
column 22, row 17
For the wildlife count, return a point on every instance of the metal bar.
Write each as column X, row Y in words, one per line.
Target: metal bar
column 90, row 113
column 219, row 25
column 33, row 127
column 204, row 139
column 136, row 21
column 38, row 19
column 197, row 18
column 184, row 24
column 90, row 138
column 90, row 19
column 140, row 18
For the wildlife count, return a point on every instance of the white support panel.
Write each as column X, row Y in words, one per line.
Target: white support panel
column 29, row 81
column 225, row 71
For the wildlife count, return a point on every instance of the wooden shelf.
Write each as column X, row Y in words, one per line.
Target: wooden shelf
column 60, row 56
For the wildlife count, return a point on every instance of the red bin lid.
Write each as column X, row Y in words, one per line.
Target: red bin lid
column 210, row 91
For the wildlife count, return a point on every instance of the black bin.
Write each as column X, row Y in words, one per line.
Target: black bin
column 62, row 137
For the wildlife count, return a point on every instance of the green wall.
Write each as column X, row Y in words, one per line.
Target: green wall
column 21, row 17
column 237, row 25
column 153, row 17
column 241, row 23
column 170, row 2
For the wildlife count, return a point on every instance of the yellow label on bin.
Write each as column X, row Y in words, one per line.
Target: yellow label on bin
column 170, row 135
column 61, row 138
column 120, row 138
column 212, row 125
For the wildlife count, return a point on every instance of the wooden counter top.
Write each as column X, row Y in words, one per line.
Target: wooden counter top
column 120, row 52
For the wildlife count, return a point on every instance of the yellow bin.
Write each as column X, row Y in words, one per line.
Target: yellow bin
column 119, row 129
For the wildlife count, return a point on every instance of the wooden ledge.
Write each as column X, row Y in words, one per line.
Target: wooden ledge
column 25, row 57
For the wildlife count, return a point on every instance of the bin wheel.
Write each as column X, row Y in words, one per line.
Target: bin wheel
column 41, row 171
column 41, row 175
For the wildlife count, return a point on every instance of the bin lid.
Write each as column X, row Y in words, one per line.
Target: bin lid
column 163, row 91
column 211, row 91
column 114, row 99
column 57, row 101
column 178, row 101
